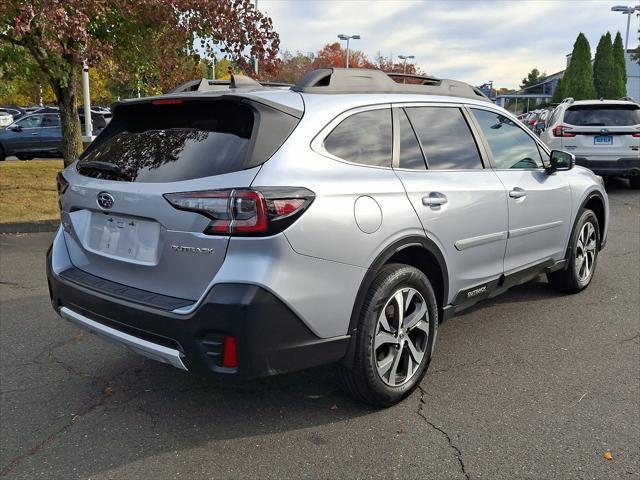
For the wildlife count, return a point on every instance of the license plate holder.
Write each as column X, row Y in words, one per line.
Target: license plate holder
column 124, row 238
column 603, row 140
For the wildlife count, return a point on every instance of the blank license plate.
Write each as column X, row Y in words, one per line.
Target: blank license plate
column 124, row 237
column 603, row 140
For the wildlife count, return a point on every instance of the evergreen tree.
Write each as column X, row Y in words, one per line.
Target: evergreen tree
column 558, row 93
column 620, row 83
column 604, row 68
column 578, row 78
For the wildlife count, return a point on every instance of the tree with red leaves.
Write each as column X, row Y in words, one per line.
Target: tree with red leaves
column 150, row 36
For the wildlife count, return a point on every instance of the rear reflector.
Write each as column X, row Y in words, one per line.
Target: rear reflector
column 229, row 353
column 247, row 212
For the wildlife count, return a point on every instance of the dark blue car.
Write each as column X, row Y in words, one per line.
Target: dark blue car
column 33, row 135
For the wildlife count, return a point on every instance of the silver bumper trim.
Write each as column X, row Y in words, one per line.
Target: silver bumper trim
column 138, row 345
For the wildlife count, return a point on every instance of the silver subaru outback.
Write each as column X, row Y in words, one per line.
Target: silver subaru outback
column 251, row 230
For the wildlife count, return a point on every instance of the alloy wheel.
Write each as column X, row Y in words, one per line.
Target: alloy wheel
column 401, row 337
column 585, row 252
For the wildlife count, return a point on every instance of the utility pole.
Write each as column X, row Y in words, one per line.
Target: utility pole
column 342, row 36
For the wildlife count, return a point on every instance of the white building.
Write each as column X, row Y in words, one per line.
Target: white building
column 633, row 76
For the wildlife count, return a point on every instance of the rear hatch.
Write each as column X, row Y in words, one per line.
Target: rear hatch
column 602, row 130
column 118, row 221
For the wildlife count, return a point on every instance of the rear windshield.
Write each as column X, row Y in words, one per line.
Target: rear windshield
column 603, row 115
column 185, row 140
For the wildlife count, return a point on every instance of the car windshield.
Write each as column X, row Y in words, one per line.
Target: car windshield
column 603, row 115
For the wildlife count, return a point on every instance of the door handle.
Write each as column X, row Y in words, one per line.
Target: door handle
column 517, row 192
column 34, row 133
column 434, row 199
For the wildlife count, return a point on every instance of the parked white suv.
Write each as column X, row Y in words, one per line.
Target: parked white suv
column 604, row 135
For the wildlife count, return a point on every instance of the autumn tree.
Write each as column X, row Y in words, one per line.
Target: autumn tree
column 145, row 40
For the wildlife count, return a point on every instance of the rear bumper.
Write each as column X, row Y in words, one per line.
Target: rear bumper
column 270, row 338
column 623, row 166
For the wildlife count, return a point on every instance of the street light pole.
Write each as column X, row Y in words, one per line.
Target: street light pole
column 342, row 36
column 628, row 11
column 405, row 57
column 255, row 60
column 88, row 127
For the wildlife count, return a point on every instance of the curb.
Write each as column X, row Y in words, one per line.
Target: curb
column 30, row 227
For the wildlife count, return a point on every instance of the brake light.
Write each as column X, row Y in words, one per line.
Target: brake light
column 248, row 212
column 562, row 131
column 61, row 183
column 166, row 101
column 636, row 135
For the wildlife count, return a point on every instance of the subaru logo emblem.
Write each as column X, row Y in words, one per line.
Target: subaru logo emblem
column 604, row 131
column 105, row 200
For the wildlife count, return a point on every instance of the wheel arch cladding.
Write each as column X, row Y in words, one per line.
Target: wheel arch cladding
column 595, row 203
column 416, row 251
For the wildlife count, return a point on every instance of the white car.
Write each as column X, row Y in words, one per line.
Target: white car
column 604, row 135
column 5, row 118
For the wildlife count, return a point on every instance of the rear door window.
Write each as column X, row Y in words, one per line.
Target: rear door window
column 363, row 138
column 410, row 152
column 184, row 140
column 603, row 115
column 445, row 137
column 51, row 120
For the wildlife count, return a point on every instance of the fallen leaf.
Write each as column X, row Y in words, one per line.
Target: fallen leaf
column 608, row 455
column 401, row 430
column 108, row 391
column 333, row 407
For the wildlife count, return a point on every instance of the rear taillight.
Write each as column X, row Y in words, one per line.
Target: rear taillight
column 61, row 183
column 636, row 135
column 249, row 212
column 562, row 131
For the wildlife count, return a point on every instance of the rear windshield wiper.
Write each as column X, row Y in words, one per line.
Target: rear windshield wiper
column 106, row 167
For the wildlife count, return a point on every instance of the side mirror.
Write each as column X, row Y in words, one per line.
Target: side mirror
column 14, row 128
column 561, row 160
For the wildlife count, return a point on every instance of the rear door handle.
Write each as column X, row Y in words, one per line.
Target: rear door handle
column 517, row 192
column 434, row 199
column 34, row 133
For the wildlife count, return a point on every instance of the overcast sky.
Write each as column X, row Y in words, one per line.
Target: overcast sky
column 473, row 41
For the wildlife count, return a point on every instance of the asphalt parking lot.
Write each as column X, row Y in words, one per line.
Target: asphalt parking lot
column 531, row 384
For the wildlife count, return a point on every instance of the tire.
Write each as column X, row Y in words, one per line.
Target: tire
column 390, row 362
column 24, row 156
column 581, row 263
column 634, row 182
column 3, row 156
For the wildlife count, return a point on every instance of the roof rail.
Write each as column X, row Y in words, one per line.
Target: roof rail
column 236, row 81
column 363, row 80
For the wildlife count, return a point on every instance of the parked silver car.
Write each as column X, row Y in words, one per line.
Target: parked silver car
column 604, row 135
column 252, row 231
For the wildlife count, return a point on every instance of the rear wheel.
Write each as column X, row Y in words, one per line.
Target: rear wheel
column 24, row 156
column 634, row 182
column 395, row 337
column 581, row 263
column 2, row 154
